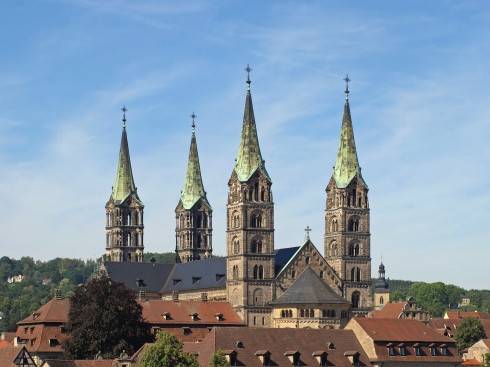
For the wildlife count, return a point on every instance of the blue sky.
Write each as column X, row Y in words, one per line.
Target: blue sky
column 419, row 103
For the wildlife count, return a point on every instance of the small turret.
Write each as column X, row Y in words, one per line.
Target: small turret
column 381, row 290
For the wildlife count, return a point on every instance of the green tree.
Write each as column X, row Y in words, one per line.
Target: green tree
column 469, row 332
column 218, row 359
column 167, row 351
column 486, row 360
column 397, row 295
column 104, row 316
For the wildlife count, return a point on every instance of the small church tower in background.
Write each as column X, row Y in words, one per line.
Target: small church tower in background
column 250, row 228
column 124, row 211
column 381, row 290
column 193, row 214
column 347, row 235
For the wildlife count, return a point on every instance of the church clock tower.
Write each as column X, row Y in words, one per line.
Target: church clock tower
column 193, row 215
column 124, row 211
column 347, row 234
column 250, row 228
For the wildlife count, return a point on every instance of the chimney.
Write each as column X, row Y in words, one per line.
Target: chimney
column 175, row 296
column 57, row 294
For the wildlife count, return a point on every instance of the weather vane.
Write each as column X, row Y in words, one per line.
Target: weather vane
column 347, row 80
column 193, row 116
column 124, row 109
column 248, row 69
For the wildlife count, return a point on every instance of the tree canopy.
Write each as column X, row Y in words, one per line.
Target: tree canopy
column 104, row 317
column 469, row 332
column 167, row 351
column 218, row 359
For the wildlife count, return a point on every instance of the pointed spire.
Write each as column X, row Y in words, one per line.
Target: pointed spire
column 124, row 184
column 249, row 157
column 347, row 164
column 193, row 186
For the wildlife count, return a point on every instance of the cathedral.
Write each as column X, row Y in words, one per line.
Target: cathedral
column 268, row 287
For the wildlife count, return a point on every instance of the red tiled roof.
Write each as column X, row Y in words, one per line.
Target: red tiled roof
column 442, row 325
column 4, row 343
column 39, row 339
column 471, row 362
column 463, row 314
column 390, row 311
column 399, row 330
column 277, row 342
column 207, row 313
column 7, row 356
column 55, row 310
column 80, row 363
column 8, row 336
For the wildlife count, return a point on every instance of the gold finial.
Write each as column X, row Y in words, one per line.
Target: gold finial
column 124, row 109
column 193, row 122
column 307, row 235
column 248, row 69
column 347, row 80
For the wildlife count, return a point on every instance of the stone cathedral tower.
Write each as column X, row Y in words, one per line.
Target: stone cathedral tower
column 193, row 215
column 250, row 228
column 347, row 235
column 124, row 211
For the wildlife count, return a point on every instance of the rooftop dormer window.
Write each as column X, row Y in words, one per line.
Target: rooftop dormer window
column 166, row 316
column 195, row 280
column 219, row 316
column 194, row 316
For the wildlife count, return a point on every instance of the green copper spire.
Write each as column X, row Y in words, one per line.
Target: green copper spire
column 193, row 187
column 347, row 165
column 249, row 158
column 124, row 185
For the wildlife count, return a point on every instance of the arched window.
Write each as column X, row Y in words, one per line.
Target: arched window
column 355, row 274
column 283, row 314
column 312, row 313
column 307, row 260
column 301, row 313
column 334, row 249
column 354, row 224
column 334, row 225
column 293, row 274
column 256, row 192
column 262, row 194
column 381, row 300
column 333, row 313
column 354, row 249
column 356, row 297
column 321, row 274
column 199, row 221
column 129, row 239
column 256, row 220
column 128, row 219
column 236, row 245
column 261, row 272
column 256, row 246
column 235, row 271
column 258, row 297
column 324, row 313
column 204, row 221
column 258, row 272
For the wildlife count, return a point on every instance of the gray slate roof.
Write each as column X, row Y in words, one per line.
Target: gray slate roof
column 153, row 276
column 194, row 275
column 309, row 288
column 199, row 274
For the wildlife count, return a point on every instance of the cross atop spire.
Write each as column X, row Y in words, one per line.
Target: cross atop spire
column 193, row 116
column 307, row 235
column 248, row 69
column 124, row 109
column 347, row 80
